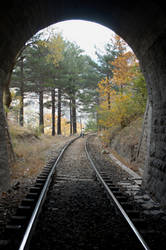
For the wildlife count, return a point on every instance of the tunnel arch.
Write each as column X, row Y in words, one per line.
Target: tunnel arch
column 142, row 24
column 130, row 20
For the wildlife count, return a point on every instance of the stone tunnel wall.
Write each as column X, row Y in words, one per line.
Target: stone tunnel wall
column 155, row 175
column 145, row 33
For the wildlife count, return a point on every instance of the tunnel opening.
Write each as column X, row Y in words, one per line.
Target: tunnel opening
column 145, row 33
column 60, row 94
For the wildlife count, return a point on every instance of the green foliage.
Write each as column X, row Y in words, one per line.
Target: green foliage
column 54, row 63
column 140, row 92
column 91, row 126
column 105, row 58
column 57, row 64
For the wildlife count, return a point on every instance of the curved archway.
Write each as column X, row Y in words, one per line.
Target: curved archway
column 142, row 24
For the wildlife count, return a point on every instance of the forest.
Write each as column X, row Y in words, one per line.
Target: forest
column 78, row 92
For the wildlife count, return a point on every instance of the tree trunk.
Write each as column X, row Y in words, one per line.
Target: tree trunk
column 71, row 118
column 109, row 100
column 53, row 111
column 21, row 120
column 41, row 112
column 59, row 113
column 74, row 115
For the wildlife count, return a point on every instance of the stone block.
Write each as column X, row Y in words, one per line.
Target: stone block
column 162, row 122
column 164, row 168
column 163, row 130
column 163, row 138
column 155, row 122
column 156, row 130
column 155, row 163
column 147, row 205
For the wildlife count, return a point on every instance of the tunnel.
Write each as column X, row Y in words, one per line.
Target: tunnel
column 142, row 24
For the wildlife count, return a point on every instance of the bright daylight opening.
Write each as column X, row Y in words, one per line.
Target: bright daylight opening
column 78, row 76
column 73, row 97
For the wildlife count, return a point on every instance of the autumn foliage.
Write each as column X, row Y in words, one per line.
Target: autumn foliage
column 65, row 125
column 122, row 97
column 122, row 72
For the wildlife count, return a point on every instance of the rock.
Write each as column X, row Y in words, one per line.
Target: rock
column 16, row 186
column 164, row 218
column 146, row 197
column 104, row 151
column 147, row 205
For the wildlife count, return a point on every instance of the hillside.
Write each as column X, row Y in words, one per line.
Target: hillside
column 32, row 151
column 124, row 145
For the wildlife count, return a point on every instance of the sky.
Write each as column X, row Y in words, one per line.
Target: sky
column 86, row 34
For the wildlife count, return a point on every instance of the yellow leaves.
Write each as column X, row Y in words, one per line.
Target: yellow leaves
column 41, row 43
column 65, row 125
column 122, row 72
column 118, row 105
column 104, row 86
column 120, row 44
column 118, row 109
column 55, row 47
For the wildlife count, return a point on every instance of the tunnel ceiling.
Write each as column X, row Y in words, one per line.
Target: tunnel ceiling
column 141, row 23
column 138, row 22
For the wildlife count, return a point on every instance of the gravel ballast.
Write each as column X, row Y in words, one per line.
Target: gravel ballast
column 77, row 214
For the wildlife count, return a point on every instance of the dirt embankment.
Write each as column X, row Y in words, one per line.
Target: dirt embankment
column 32, row 153
column 124, row 144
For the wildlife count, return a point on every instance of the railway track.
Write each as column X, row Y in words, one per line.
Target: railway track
column 120, row 200
column 76, row 212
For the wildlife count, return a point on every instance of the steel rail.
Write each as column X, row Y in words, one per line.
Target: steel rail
column 32, row 222
column 139, row 236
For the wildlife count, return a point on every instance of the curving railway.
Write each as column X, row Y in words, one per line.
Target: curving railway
column 77, row 204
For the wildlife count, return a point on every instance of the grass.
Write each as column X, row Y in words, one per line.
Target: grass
column 31, row 151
